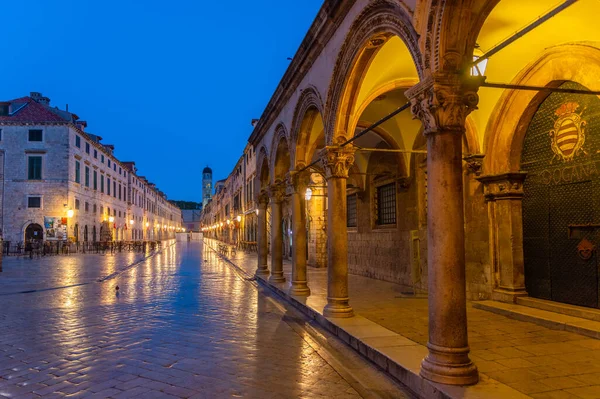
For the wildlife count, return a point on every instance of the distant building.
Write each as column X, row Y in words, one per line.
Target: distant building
column 207, row 185
column 191, row 219
column 58, row 182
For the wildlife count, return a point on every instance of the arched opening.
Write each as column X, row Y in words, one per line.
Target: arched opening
column 34, row 232
column 560, row 205
column 85, row 233
column 381, row 198
column 309, row 139
column 94, row 234
column 281, row 159
column 76, row 232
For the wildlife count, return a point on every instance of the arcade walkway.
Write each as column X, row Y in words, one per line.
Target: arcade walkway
column 526, row 359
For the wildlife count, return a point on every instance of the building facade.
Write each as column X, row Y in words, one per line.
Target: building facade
column 410, row 142
column 61, row 183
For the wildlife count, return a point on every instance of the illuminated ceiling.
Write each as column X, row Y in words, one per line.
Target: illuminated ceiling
column 578, row 23
column 391, row 65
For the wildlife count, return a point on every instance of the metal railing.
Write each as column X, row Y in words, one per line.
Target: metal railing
column 50, row 248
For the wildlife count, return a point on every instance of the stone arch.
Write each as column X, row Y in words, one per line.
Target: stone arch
column 463, row 19
column 280, row 153
column 506, row 128
column 308, row 108
column 379, row 21
column 262, row 170
column 33, row 231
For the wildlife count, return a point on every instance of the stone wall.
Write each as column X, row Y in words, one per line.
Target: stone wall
column 317, row 228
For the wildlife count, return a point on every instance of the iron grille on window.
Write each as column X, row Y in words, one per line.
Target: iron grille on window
column 386, row 204
column 351, row 215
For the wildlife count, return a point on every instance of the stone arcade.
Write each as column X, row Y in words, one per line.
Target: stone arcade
column 403, row 201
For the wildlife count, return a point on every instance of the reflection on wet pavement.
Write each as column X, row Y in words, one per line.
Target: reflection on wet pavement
column 177, row 327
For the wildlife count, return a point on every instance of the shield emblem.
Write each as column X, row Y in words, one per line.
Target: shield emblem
column 568, row 135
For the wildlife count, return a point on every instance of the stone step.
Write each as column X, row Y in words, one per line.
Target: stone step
column 562, row 308
column 553, row 320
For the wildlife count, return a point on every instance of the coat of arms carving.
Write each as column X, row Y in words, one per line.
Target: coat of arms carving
column 568, row 135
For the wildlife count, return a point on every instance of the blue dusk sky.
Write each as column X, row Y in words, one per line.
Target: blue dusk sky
column 172, row 84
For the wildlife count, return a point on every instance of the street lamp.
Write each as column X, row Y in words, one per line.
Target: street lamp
column 70, row 213
column 308, row 194
column 111, row 219
column 239, row 218
column 478, row 68
column 131, row 222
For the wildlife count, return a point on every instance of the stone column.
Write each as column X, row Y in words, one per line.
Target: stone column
column 442, row 103
column 504, row 194
column 277, row 193
column 337, row 161
column 263, row 201
column 298, row 182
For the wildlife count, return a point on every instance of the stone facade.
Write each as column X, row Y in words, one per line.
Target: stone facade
column 81, row 182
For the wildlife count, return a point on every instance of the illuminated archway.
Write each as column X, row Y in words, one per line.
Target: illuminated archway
column 307, row 127
column 382, row 46
column 280, row 154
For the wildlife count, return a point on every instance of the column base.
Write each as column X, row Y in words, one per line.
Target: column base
column 450, row 366
column 338, row 308
column 262, row 271
column 299, row 288
column 277, row 277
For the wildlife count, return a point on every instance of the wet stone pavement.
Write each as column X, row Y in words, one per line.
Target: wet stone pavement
column 183, row 324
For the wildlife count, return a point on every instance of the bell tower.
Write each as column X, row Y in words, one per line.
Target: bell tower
column 207, row 186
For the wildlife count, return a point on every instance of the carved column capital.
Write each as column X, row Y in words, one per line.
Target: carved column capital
column 443, row 100
column 298, row 181
column 474, row 163
column 503, row 186
column 263, row 200
column 337, row 161
column 277, row 191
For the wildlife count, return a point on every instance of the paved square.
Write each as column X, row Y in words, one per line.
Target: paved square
column 183, row 324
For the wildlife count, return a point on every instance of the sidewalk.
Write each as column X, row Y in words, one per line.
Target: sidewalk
column 516, row 359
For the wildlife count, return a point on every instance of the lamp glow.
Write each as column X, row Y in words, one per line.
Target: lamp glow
column 70, row 213
column 239, row 218
column 111, row 219
column 147, row 224
column 308, row 194
column 131, row 222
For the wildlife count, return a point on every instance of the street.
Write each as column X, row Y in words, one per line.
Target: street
column 181, row 324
